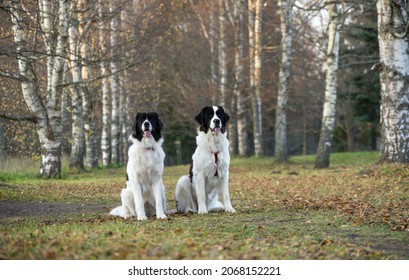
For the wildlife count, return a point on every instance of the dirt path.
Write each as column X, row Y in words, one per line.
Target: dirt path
column 36, row 209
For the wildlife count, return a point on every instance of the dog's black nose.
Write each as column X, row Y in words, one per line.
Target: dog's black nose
column 216, row 122
column 146, row 125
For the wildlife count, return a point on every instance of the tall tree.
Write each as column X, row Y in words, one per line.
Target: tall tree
column 255, row 62
column 115, row 86
column 239, row 85
column 285, row 9
column 393, row 28
column 328, row 115
column 222, row 54
column 45, row 107
column 105, row 87
column 75, row 90
column 86, row 15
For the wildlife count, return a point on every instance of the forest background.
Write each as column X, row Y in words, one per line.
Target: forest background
column 174, row 57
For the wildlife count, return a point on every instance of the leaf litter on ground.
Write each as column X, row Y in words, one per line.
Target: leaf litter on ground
column 354, row 210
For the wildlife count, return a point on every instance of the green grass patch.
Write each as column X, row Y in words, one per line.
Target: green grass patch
column 353, row 210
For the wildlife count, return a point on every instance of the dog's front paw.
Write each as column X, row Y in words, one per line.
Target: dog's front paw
column 142, row 218
column 202, row 211
column 163, row 216
column 127, row 216
column 230, row 210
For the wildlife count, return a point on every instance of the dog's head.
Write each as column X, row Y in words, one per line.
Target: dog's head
column 147, row 125
column 213, row 119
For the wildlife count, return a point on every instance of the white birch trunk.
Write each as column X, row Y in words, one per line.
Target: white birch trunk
column 77, row 145
column 123, row 98
column 281, row 152
column 394, row 73
column 222, row 55
column 328, row 116
column 213, row 53
column 51, row 162
column 258, row 135
column 115, row 87
column 91, row 154
column 47, row 111
column 255, row 63
column 106, row 98
column 239, row 93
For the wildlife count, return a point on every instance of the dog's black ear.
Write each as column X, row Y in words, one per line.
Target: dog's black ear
column 161, row 125
column 156, row 116
column 199, row 117
column 136, row 133
column 227, row 117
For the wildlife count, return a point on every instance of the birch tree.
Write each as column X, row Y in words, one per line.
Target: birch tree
column 213, row 51
column 285, row 10
column 105, row 87
column 222, row 54
column 44, row 106
column 75, row 90
column 239, row 85
column 231, row 14
column 393, row 27
column 86, row 15
column 255, row 64
column 115, row 86
column 328, row 116
column 123, row 98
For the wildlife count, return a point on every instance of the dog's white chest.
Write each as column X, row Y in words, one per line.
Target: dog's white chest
column 145, row 163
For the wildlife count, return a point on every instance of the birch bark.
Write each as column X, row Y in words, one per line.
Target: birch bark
column 222, row 54
column 77, row 146
column 84, row 21
column 239, row 85
column 213, row 52
column 328, row 116
column 255, row 64
column 281, row 152
column 105, row 87
column 45, row 107
column 115, row 87
column 123, row 98
column 394, row 76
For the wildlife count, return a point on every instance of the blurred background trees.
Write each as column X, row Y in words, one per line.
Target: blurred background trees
column 174, row 57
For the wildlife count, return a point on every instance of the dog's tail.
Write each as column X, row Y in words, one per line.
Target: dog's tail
column 184, row 196
column 127, row 208
column 117, row 211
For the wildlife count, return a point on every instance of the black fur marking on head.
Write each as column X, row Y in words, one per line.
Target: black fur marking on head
column 155, row 122
column 206, row 115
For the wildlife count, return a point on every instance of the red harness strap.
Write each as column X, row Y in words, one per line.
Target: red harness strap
column 216, row 155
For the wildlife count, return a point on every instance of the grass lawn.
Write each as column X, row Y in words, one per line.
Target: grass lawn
column 353, row 210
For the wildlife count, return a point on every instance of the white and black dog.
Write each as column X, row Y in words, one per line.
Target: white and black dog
column 145, row 193
column 209, row 173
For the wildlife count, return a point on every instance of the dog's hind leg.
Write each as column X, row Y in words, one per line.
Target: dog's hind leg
column 128, row 205
column 185, row 202
column 127, row 209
